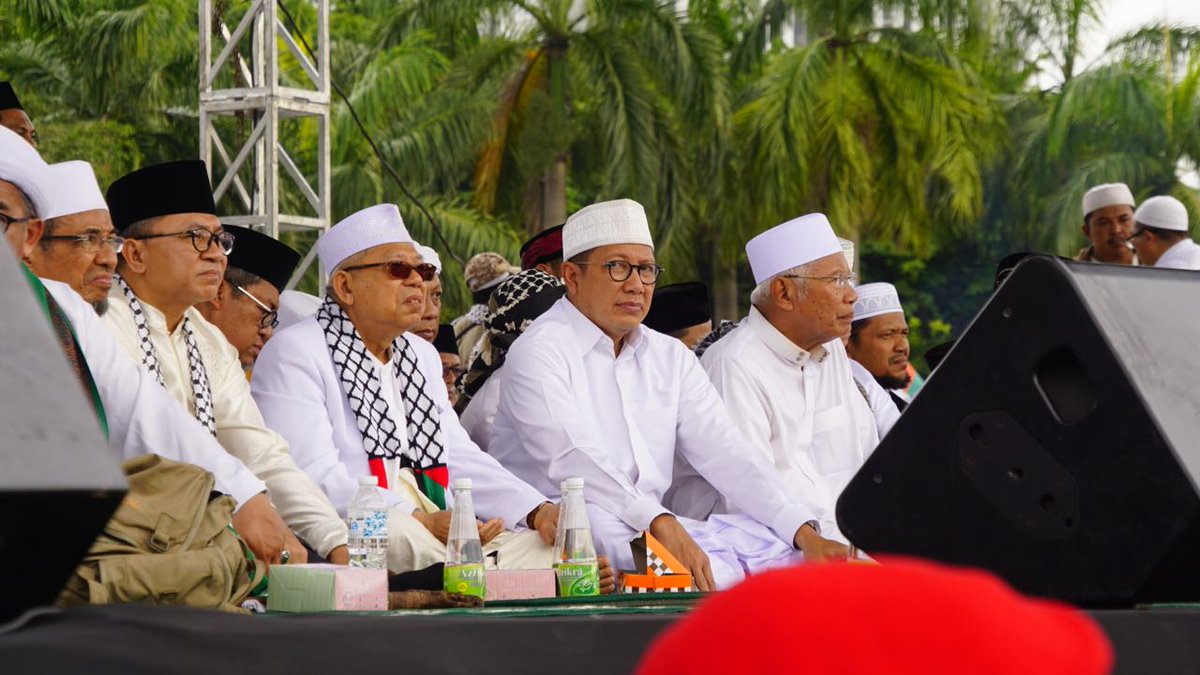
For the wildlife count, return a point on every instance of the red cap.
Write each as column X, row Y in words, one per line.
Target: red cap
column 542, row 247
column 904, row 616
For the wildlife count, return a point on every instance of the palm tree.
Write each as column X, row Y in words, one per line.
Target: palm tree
column 589, row 97
column 882, row 127
column 1134, row 120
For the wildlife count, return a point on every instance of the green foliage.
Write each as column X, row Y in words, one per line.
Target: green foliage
column 917, row 126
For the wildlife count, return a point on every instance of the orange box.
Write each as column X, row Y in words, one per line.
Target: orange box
column 653, row 583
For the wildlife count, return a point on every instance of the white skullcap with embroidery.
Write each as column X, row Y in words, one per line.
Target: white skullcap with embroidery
column 875, row 299
column 620, row 221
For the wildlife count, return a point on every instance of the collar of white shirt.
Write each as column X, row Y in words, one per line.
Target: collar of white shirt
column 779, row 344
column 588, row 334
column 156, row 321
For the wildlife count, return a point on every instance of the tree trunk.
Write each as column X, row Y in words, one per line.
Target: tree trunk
column 554, row 194
column 725, row 287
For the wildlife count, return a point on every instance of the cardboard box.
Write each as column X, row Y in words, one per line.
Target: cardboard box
column 326, row 588
column 519, row 584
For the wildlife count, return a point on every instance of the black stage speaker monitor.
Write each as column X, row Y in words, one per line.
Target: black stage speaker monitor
column 1057, row 445
column 59, row 482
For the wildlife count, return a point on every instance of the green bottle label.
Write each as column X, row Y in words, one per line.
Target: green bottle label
column 464, row 579
column 577, row 579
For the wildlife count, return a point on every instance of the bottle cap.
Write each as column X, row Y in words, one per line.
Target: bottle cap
column 368, row 480
column 573, row 484
column 461, row 484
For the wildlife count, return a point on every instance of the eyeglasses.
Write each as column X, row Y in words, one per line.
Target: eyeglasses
column 1136, row 234
column 9, row 221
column 202, row 239
column 619, row 270
column 270, row 317
column 847, row 281
column 90, row 241
column 398, row 269
column 454, row 372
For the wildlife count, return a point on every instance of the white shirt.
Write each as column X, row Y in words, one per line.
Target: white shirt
column 299, row 392
column 569, row 407
column 240, row 426
column 882, row 406
column 801, row 411
column 142, row 418
column 1184, row 255
column 480, row 414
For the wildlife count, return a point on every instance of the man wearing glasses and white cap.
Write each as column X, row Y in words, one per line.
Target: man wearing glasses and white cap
column 173, row 259
column 79, row 246
column 785, row 375
column 589, row 391
column 1161, row 237
column 357, row 394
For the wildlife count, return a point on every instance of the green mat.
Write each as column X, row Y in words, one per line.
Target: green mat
column 642, row 603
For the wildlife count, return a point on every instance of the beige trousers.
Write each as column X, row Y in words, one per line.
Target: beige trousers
column 412, row 547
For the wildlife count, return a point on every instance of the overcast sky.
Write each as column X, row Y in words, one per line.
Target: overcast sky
column 1118, row 17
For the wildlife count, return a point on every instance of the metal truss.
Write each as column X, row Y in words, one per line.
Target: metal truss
column 244, row 81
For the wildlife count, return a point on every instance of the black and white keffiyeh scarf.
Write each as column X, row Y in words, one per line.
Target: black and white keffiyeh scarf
column 201, row 391
column 425, row 451
column 514, row 305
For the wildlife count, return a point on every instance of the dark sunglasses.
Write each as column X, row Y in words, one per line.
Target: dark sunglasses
column 398, row 269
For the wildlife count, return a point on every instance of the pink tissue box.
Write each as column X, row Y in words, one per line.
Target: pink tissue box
column 326, row 588
column 519, row 584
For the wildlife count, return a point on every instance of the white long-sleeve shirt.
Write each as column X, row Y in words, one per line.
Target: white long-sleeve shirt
column 569, row 407
column 1184, row 255
column 480, row 414
column 142, row 418
column 240, row 426
column 299, row 392
column 801, row 411
column 882, row 406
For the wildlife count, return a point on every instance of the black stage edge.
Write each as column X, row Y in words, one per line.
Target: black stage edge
column 145, row 639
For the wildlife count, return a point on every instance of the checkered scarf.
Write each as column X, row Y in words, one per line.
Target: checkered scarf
column 424, row 453
column 201, row 392
column 514, row 305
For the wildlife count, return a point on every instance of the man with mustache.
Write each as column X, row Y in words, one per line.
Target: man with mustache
column 1107, row 224
column 878, row 344
column 588, row 391
column 785, row 375
column 174, row 258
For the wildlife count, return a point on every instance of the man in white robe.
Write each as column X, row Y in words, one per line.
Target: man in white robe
column 173, row 259
column 588, row 391
column 785, row 375
column 374, row 404
column 138, row 416
column 1161, row 235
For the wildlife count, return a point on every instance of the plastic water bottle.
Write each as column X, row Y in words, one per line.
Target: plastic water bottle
column 368, row 523
column 463, row 572
column 575, row 563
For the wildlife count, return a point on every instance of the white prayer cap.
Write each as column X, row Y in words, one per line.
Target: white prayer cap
column 1164, row 213
column 73, row 189
column 620, row 221
column 373, row 226
column 875, row 299
column 295, row 306
column 1108, row 194
column 430, row 256
column 794, row 243
column 21, row 165
column 848, row 251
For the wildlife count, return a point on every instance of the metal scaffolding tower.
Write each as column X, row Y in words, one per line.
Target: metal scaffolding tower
column 254, row 79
